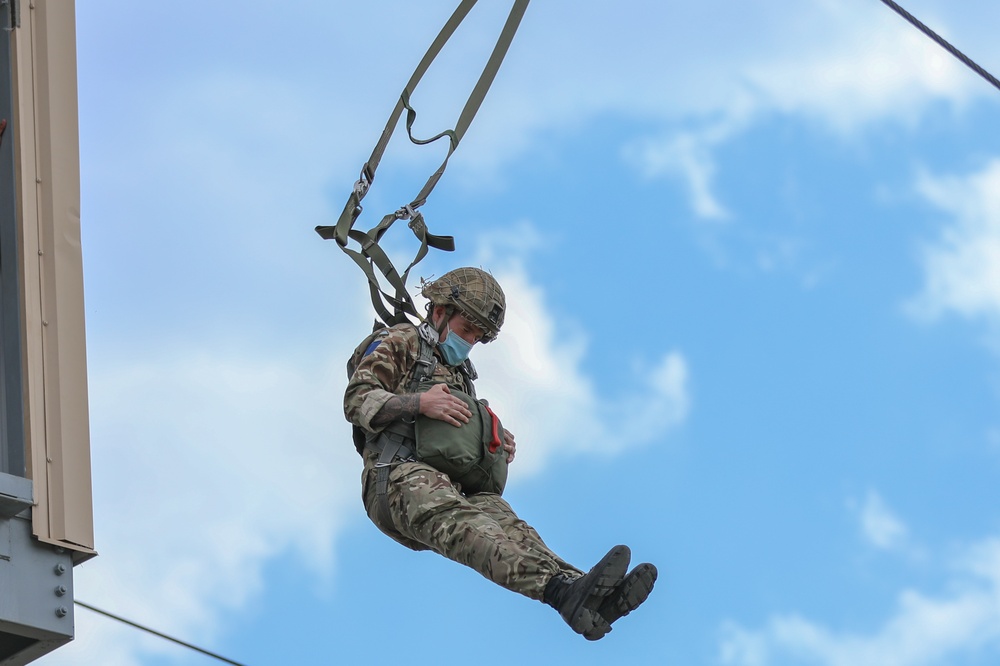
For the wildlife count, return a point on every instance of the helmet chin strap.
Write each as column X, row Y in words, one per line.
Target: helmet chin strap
column 440, row 327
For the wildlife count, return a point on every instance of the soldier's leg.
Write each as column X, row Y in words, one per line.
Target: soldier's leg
column 429, row 511
column 501, row 511
column 625, row 597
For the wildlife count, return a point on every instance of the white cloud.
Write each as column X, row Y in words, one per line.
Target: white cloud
column 212, row 458
column 880, row 526
column 535, row 374
column 838, row 66
column 923, row 630
column 867, row 67
column 207, row 465
column 962, row 268
column 695, row 80
column 687, row 155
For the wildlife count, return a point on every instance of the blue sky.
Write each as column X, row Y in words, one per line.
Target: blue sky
column 751, row 254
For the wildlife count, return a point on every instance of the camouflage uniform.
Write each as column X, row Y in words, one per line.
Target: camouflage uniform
column 428, row 511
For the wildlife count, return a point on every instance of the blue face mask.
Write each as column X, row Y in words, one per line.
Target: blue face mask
column 454, row 349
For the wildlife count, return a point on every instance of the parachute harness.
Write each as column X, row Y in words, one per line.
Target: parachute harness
column 370, row 256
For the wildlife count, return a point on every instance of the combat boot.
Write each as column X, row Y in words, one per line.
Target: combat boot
column 625, row 598
column 579, row 601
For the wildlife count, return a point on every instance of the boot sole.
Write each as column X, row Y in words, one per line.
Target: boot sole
column 628, row 596
column 607, row 575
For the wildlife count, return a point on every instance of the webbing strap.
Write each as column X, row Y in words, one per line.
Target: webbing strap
column 390, row 450
column 475, row 99
column 426, row 363
column 370, row 254
column 393, row 444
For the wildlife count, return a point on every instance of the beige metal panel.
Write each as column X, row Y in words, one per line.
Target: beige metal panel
column 27, row 207
column 58, row 424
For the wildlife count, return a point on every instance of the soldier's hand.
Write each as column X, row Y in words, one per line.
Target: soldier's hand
column 509, row 445
column 438, row 403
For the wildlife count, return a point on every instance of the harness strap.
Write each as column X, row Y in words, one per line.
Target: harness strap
column 475, row 99
column 426, row 363
column 370, row 254
column 394, row 444
column 397, row 441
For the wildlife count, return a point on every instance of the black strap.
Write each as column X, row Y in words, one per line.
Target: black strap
column 392, row 449
column 394, row 444
column 371, row 255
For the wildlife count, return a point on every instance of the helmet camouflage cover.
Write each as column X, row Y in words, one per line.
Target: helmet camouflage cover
column 474, row 293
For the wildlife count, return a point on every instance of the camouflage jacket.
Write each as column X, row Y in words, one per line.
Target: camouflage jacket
column 385, row 372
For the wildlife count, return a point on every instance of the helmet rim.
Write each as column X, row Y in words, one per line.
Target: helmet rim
column 474, row 293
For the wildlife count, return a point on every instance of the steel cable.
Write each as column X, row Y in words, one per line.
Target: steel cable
column 944, row 44
column 157, row 633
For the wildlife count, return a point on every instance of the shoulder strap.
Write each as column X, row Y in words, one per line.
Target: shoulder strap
column 470, row 375
column 426, row 362
column 371, row 255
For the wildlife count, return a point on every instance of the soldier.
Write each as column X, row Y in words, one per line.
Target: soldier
column 405, row 377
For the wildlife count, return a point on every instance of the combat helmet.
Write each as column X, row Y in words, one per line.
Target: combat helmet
column 472, row 292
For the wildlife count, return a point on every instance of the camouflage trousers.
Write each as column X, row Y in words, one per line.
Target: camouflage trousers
column 481, row 531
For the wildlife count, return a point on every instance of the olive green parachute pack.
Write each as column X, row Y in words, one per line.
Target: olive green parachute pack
column 472, row 454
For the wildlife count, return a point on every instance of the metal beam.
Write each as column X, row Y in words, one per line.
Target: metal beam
column 13, row 454
column 36, row 607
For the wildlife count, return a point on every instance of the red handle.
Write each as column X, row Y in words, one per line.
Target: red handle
column 497, row 441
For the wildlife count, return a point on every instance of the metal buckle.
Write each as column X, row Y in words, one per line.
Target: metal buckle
column 361, row 187
column 429, row 335
column 417, row 224
column 364, row 182
column 407, row 212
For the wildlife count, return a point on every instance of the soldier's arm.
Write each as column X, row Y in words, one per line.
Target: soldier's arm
column 375, row 382
column 405, row 406
column 372, row 401
column 437, row 403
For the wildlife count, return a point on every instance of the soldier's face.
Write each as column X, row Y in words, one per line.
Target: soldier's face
column 462, row 327
column 465, row 329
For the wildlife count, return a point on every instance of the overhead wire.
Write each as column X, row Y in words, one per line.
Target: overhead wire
column 157, row 633
column 943, row 43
